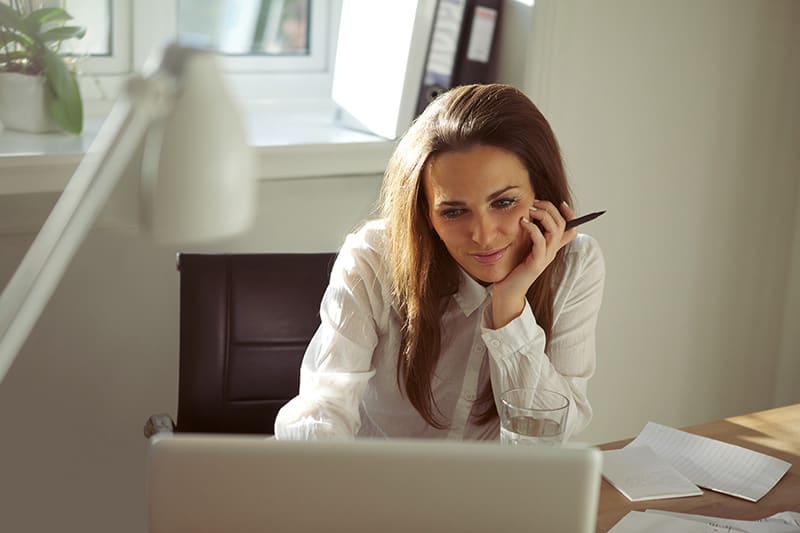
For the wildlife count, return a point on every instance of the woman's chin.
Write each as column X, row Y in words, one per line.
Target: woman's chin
column 488, row 276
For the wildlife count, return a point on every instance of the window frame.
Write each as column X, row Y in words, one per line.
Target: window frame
column 258, row 76
column 119, row 60
column 137, row 36
column 315, row 61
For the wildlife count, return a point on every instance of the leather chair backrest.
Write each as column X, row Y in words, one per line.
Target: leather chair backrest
column 245, row 321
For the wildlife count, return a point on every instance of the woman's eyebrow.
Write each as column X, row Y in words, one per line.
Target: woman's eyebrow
column 500, row 192
column 459, row 203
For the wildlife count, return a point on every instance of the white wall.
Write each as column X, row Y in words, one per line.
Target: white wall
column 679, row 117
column 787, row 386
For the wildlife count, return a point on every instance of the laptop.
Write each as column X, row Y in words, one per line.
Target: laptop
column 241, row 484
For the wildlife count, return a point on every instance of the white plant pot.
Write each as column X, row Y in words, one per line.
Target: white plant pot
column 22, row 103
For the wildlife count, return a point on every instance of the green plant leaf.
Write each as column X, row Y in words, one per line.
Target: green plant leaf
column 10, row 37
column 58, row 75
column 63, row 96
column 10, row 18
column 12, row 21
column 30, row 29
column 13, row 56
column 45, row 18
column 63, row 33
column 49, row 14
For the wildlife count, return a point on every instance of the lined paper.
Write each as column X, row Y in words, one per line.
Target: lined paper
column 639, row 474
column 641, row 522
column 785, row 522
column 712, row 464
column 653, row 521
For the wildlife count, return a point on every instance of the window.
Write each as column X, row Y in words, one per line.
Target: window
column 105, row 48
column 249, row 27
column 269, row 48
column 95, row 16
column 260, row 35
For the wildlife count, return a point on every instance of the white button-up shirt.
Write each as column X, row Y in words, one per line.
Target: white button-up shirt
column 348, row 378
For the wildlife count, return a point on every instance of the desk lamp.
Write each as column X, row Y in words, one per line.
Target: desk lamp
column 196, row 184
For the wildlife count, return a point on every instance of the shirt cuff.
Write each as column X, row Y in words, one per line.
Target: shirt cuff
column 514, row 336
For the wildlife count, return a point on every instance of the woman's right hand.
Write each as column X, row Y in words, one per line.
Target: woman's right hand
column 509, row 294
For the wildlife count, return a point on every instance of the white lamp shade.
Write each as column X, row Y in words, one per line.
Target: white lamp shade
column 197, row 185
column 204, row 187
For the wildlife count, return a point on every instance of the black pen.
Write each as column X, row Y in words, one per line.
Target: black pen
column 580, row 220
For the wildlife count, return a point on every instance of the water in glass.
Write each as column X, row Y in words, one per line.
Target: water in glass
column 526, row 430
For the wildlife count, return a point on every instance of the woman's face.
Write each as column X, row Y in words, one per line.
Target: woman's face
column 476, row 199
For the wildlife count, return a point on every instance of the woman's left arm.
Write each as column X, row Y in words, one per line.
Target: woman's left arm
column 517, row 349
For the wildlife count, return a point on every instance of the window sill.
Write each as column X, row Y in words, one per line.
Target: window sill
column 292, row 140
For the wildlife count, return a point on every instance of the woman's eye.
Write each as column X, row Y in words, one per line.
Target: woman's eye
column 505, row 203
column 452, row 213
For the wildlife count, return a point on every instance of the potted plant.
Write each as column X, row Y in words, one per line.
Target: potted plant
column 38, row 88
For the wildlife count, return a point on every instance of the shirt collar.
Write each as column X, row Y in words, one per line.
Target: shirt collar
column 471, row 294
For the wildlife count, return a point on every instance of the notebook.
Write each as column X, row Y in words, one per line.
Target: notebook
column 639, row 474
column 242, row 484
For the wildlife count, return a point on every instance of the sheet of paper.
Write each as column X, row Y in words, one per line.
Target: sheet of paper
column 789, row 517
column 778, row 523
column 712, row 464
column 641, row 522
column 639, row 474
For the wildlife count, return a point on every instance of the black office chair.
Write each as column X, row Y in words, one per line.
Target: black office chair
column 245, row 321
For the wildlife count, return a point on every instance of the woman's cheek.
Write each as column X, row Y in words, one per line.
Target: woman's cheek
column 514, row 218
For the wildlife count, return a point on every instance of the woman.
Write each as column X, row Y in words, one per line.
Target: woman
column 467, row 286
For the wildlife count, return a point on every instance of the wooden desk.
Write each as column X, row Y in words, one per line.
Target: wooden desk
column 775, row 432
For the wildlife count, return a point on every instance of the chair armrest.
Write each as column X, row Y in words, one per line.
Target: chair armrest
column 158, row 424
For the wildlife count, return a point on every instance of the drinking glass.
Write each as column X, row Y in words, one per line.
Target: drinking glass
column 532, row 416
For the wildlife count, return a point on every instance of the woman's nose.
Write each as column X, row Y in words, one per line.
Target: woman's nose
column 483, row 229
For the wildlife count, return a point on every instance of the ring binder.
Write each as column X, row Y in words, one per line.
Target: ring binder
column 462, row 46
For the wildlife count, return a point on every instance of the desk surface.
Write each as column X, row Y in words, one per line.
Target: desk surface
column 775, row 432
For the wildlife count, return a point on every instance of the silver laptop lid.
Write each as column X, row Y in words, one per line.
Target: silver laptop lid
column 238, row 484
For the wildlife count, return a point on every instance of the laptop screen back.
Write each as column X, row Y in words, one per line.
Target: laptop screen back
column 200, row 483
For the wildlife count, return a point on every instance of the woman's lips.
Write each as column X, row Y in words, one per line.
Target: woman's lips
column 490, row 257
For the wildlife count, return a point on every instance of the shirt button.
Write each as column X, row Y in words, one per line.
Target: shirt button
column 470, row 397
column 495, row 343
column 478, row 348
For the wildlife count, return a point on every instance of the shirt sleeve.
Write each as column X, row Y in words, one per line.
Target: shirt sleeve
column 517, row 356
column 337, row 364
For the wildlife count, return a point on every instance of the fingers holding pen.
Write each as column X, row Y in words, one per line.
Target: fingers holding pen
column 552, row 221
column 568, row 214
column 536, row 231
column 548, row 217
column 544, row 226
column 566, row 211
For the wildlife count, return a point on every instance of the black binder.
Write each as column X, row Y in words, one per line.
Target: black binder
column 462, row 48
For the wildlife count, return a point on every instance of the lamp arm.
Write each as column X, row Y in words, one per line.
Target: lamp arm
column 76, row 210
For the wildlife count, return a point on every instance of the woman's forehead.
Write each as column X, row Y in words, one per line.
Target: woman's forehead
column 476, row 170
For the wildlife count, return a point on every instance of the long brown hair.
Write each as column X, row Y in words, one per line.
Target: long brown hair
column 423, row 272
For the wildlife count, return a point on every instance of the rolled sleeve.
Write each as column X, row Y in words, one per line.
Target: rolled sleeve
column 520, row 355
column 337, row 364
